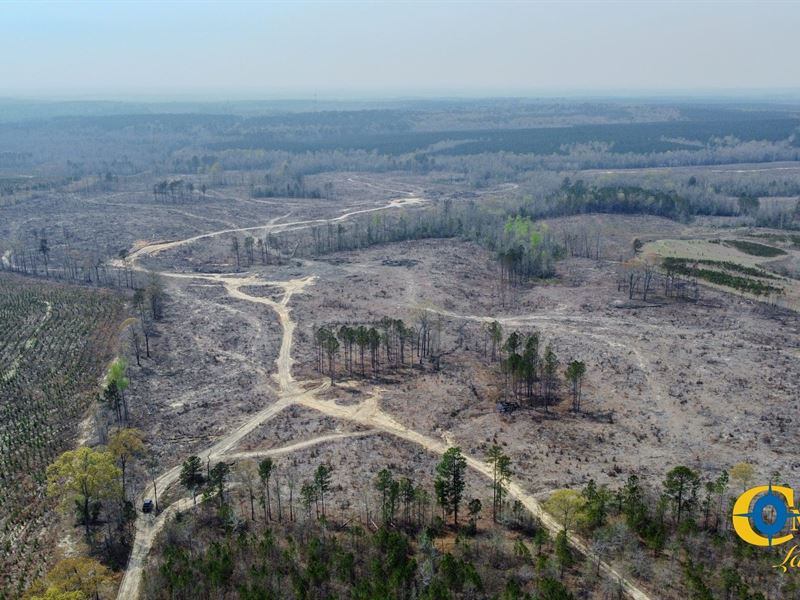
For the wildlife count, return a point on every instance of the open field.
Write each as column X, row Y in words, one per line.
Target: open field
column 762, row 264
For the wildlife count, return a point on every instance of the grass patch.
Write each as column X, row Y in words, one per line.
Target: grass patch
column 742, row 284
column 721, row 264
column 754, row 248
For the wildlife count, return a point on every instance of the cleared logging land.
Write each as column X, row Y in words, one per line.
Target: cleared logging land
column 355, row 308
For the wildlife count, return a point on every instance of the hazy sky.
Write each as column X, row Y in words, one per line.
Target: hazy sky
column 346, row 49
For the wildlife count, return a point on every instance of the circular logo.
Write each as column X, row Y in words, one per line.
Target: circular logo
column 777, row 504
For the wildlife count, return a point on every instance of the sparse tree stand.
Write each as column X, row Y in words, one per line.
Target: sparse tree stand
column 327, row 345
column 649, row 264
column 278, row 497
column 249, row 243
column 347, row 336
column 550, row 380
column 574, row 374
column 44, row 249
column 391, row 334
column 125, row 444
column 216, row 480
column 524, row 368
column 152, row 467
column 450, row 482
column 291, row 481
column 383, row 484
column 136, row 344
column 246, row 476
column 265, row 469
column 235, row 248
column 308, row 495
column 529, row 366
column 322, row 482
column 501, row 473
column 495, row 332
column 145, row 317
column 81, row 477
column 75, row 578
column 155, row 295
column 117, row 384
column 191, row 476
column 680, row 486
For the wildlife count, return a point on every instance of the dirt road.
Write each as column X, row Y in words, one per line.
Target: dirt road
column 150, row 249
column 367, row 413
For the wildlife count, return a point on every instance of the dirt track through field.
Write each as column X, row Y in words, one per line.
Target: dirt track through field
column 151, row 249
column 577, row 324
column 367, row 413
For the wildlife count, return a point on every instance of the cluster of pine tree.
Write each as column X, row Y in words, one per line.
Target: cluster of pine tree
column 364, row 344
column 685, row 522
column 532, row 369
column 217, row 551
column 309, row 561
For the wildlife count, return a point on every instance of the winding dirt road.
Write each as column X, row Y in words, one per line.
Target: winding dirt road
column 150, row 249
column 367, row 413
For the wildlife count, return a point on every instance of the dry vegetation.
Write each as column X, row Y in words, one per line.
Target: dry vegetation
column 693, row 384
column 705, row 384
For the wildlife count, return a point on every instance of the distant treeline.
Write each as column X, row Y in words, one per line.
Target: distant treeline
column 177, row 190
column 288, row 186
column 577, row 198
column 621, row 138
column 484, row 140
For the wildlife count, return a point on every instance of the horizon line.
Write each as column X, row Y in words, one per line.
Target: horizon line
column 214, row 95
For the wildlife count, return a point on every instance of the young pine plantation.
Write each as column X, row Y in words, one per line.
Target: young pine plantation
column 56, row 342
